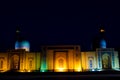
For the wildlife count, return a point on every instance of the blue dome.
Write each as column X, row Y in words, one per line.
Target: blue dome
column 102, row 43
column 22, row 45
column 17, row 45
column 25, row 45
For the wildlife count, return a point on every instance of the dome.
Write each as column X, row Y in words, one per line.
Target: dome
column 102, row 43
column 22, row 45
column 17, row 45
column 25, row 45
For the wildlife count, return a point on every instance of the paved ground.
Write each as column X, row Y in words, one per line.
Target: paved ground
column 60, row 76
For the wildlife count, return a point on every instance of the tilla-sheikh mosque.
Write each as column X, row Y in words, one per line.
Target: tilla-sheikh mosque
column 59, row 58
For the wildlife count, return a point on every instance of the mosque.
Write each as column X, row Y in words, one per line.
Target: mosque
column 59, row 58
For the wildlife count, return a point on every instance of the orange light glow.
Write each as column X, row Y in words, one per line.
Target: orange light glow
column 61, row 69
column 21, row 71
column 78, row 70
column 102, row 30
column 29, row 71
column 2, row 71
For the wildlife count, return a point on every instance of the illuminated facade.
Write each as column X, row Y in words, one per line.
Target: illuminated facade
column 60, row 58
column 66, row 58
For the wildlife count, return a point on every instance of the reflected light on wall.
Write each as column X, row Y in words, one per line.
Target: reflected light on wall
column 29, row 71
column 42, row 70
column 3, row 71
column 61, row 69
column 43, row 67
column 20, row 71
column 78, row 70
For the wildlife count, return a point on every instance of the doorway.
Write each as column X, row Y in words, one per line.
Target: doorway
column 106, row 61
column 15, row 63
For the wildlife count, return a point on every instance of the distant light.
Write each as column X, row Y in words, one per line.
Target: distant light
column 102, row 30
column 17, row 31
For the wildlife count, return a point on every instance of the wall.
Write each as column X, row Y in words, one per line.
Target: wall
column 86, row 56
column 3, row 57
column 69, row 54
column 37, row 60
column 116, row 60
column 30, row 61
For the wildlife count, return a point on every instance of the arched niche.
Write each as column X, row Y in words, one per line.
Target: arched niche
column 15, row 63
column 106, row 61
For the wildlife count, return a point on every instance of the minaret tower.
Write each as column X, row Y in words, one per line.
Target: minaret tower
column 99, row 40
column 102, row 42
column 21, row 43
column 18, row 37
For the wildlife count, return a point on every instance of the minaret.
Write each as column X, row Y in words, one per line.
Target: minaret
column 102, row 32
column 99, row 40
column 102, row 42
column 20, row 42
column 18, row 37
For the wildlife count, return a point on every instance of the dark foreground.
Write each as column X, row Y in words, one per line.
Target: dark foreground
column 61, row 76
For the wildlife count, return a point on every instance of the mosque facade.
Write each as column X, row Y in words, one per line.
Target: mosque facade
column 59, row 58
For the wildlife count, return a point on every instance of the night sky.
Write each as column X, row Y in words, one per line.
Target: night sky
column 59, row 22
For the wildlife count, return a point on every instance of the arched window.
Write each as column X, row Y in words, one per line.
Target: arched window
column 61, row 63
column 15, row 61
column 90, row 64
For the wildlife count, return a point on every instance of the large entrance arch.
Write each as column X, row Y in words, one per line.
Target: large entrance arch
column 60, row 63
column 106, row 61
column 15, row 62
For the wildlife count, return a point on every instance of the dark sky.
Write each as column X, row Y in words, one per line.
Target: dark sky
column 59, row 22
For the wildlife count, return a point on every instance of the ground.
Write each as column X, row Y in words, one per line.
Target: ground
column 60, row 75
